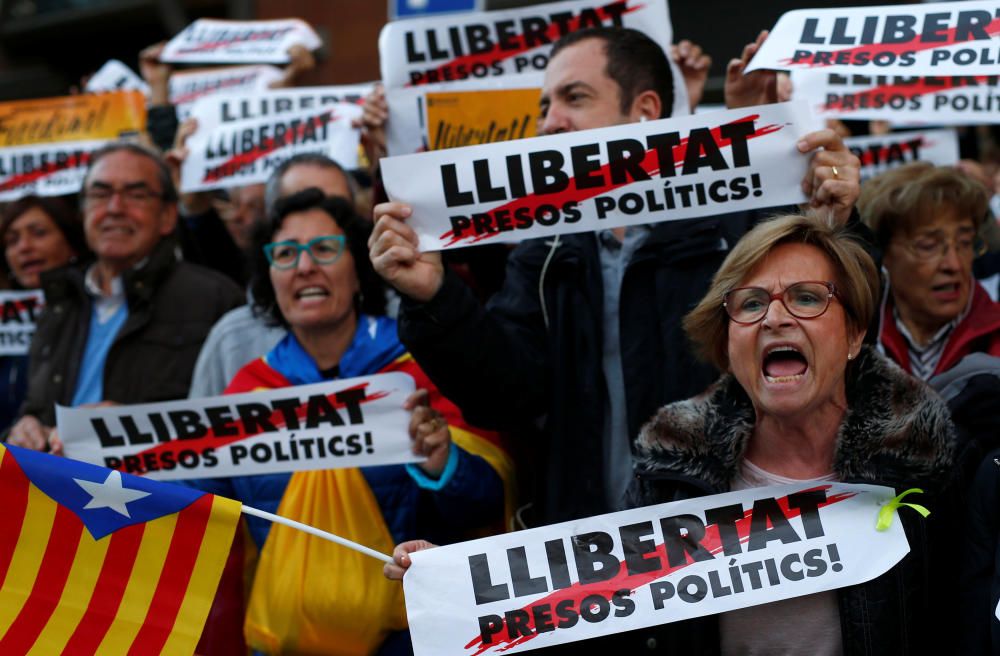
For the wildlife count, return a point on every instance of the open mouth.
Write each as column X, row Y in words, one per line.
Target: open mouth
column 311, row 292
column 784, row 364
column 946, row 289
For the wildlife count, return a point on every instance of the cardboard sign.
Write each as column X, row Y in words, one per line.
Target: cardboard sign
column 595, row 179
column 881, row 153
column 116, row 76
column 17, row 321
column 246, row 152
column 467, row 118
column 354, row 422
column 72, row 118
column 218, row 110
column 54, row 169
column 628, row 570
column 187, row 87
column 406, row 130
column 213, row 41
column 944, row 38
column 966, row 100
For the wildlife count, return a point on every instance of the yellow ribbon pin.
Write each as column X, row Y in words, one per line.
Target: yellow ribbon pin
column 889, row 509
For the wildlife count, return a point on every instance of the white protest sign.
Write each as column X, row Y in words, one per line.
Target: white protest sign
column 115, row 76
column 218, row 110
column 246, row 152
column 623, row 175
column 17, row 320
column 944, row 38
column 881, row 153
column 187, row 87
column 621, row 571
column 492, row 44
column 354, row 422
column 405, row 129
column 495, row 50
column 214, row 41
column 49, row 169
column 964, row 100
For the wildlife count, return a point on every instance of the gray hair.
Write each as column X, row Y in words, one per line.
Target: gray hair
column 272, row 189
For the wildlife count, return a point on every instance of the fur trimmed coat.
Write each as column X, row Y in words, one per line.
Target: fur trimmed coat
column 897, row 432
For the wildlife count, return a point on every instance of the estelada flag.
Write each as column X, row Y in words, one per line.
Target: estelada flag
column 93, row 561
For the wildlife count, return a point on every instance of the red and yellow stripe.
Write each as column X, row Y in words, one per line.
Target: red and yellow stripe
column 145, row 589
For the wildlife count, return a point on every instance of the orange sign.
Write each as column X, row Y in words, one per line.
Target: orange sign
column 464, row 118
column 72, row 118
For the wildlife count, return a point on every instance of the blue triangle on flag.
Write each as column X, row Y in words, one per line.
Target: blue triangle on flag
column 105, row 500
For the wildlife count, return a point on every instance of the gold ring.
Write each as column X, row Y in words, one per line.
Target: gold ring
column 836, row 173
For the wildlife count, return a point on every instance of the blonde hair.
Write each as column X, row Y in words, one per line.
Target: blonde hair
column 707, row 325
column 902, row 199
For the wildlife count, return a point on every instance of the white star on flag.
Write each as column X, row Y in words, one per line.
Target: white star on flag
column 110, row 494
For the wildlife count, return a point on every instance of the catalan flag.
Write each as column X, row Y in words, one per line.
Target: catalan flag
column 93, row 561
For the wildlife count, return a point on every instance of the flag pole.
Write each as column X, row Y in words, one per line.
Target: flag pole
column 278, row 519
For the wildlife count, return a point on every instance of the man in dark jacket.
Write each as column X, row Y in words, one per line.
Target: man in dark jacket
column 128, row 329
column 586, row 331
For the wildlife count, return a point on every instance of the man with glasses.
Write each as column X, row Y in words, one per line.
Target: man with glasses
column 129, row 327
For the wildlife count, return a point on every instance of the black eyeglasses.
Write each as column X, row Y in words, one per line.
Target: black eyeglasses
column 100, row 195
column 805, row 300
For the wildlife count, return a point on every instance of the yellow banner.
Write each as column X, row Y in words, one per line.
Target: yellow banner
column 72, row 118
column 464, row 118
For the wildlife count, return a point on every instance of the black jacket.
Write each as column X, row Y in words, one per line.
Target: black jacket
column 897, row 433
column 171, row 307
column 505, row 368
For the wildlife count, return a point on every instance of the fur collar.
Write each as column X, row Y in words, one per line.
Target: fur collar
column 896, row 432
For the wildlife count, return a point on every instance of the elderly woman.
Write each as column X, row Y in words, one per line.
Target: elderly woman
column 925, row 220
column 803, row 399
column 310, row 596
column 38, row 234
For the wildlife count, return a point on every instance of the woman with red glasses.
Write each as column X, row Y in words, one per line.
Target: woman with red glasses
column 804, row 399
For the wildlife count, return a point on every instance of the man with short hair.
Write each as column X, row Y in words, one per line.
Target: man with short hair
column 241, row 335
column 585, row 335
column 128, row 329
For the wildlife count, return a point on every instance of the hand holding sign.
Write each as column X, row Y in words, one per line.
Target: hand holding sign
column 401, row 558
column 760, row 87
column 430, row 434
column 834, row 176
column 394, row 249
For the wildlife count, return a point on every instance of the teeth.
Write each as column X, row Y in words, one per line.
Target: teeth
column 777, row 349
column 783, row 379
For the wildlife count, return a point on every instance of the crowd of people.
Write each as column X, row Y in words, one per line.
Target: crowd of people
column 848, row 339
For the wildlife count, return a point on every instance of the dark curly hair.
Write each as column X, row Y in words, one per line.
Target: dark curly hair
column 371, row 300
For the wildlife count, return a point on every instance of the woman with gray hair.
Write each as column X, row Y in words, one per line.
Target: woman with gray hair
column 804, row 399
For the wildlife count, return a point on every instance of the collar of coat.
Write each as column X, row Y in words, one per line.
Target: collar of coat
column 139, row 283
column 896, row 432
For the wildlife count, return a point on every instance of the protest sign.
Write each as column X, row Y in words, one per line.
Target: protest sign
column 218, row 110
column 17, row 322
column 495, row 50
column 246, row 152
column 881, row 153
column 498, row 43
column 51, row 169
column 594, row 179
column 407, row 127
column 967, row 100
column 466, row 118
column 628, row 570
column 214, row 41
column 116, row 76
column 354, row 422
column 72, row 118
column 187, row 87
column 944, row 38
